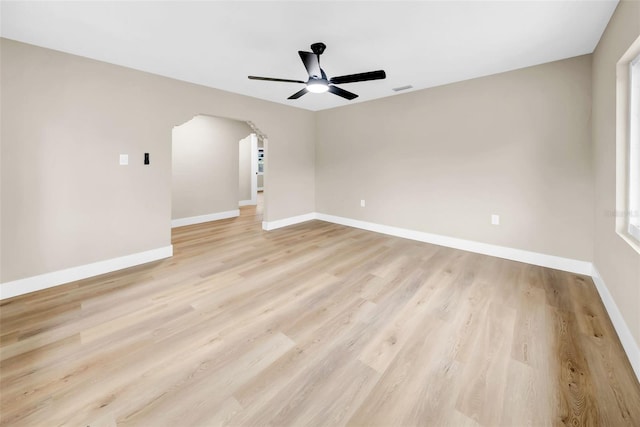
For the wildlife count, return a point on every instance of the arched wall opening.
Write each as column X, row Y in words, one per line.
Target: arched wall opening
column 215, row 168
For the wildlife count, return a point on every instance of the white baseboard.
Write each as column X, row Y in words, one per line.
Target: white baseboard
column 626, row 338
column 180, row 222
column 535, row 258
column 55, row 278
column 247, row 202
column 272, row 225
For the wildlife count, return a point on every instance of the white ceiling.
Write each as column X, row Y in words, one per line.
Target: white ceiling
column 218, row 44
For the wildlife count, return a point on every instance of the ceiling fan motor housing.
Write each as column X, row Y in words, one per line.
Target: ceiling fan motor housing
column 318, row 48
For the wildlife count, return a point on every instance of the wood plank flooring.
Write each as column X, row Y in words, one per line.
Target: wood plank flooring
column 314, row 324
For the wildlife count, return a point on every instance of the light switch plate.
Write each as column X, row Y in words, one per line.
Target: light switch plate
column 124, row 159
column 495, row 219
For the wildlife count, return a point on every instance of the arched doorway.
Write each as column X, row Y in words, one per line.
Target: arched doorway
column 215, row 166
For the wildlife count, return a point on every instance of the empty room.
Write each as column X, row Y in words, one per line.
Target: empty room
column 305, row 213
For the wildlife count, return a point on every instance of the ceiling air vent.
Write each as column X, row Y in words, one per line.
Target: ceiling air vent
column 398, row 89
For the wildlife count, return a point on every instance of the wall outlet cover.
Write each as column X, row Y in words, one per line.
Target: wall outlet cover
column 124, row 159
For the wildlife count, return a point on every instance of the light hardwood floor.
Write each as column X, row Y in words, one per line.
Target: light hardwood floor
column 314, row 324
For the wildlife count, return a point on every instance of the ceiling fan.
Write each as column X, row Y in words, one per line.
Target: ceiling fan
column 318, row 81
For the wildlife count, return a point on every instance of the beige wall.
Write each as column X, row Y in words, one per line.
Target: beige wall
column 205, row 165
column 65, row 119
column 443, row 160
column 617, row 262
column 244, row 169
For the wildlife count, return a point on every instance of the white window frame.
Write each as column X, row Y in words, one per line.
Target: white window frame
column 626, row 213
column 633, row 154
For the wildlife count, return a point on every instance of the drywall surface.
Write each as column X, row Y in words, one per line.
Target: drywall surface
column 443, row 160
column 244, row 169
column 617, row 262
column 67, row 202
column 205, row 164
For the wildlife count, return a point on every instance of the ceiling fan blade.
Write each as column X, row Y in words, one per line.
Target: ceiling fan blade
column 298, row 94
column 360, row 77
column 311, row 63
column 343, row 93
column 271, row 79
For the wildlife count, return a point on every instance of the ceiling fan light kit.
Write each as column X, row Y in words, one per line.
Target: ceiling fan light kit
column 318, row 81
column 318, row 86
